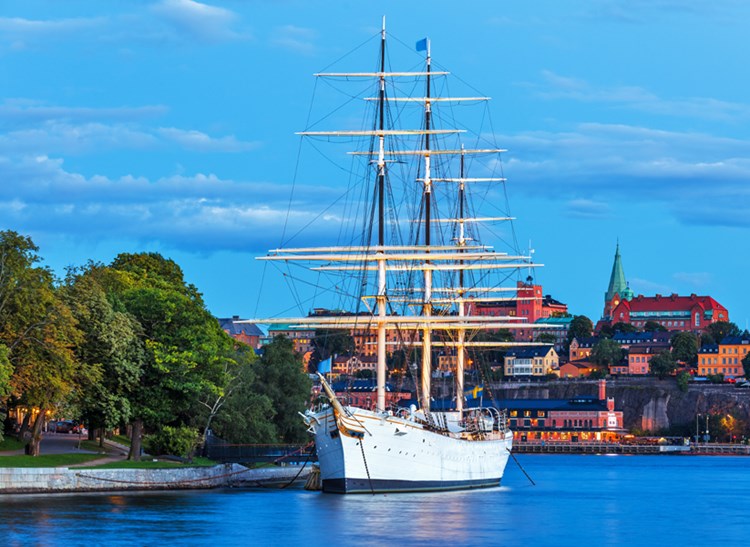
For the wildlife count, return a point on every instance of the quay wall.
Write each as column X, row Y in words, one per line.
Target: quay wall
column 18, row 480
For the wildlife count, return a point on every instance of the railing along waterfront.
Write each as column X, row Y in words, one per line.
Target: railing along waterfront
column 617, row 448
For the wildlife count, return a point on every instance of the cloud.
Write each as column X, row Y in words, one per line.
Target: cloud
column 200, row 213
column 699, row 178
column 24, row 111
column 587, row 209
column 557, row 87
column 297, row 39
column 694, row 279
column 196, row 140
column 198, row 21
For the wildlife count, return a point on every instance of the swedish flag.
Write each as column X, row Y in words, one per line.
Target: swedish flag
column 475, row 393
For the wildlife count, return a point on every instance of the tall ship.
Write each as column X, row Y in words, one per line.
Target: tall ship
column 410, row 265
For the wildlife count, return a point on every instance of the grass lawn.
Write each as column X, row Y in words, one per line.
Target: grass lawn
column 150, row 464
column 49, row 460
column 9, row 443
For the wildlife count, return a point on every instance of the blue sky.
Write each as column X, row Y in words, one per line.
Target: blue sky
column 169, row 125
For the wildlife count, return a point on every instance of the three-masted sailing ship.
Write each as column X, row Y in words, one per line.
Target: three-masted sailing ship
column 417, row 281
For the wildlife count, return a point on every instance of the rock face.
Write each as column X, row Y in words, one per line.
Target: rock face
column 648, row 404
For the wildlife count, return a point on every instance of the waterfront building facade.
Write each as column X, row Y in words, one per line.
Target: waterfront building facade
column 724, row 358
column 530, row 361
column 580, row 419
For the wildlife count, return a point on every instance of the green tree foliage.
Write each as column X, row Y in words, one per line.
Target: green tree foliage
column 328, row 342
column 606, row 353
column 683, row 381
column 746, row 365
column 580, row 327
column 246, row 416
column 185, row 349
column 112, row 342
column 606, row 331
column 282, row 380
column 721, row 329
column 174, row 441
column 38, row 331
column 624, row 327
column 663, row 364
column 685, row 347
column 653, row 326
column 546, row 338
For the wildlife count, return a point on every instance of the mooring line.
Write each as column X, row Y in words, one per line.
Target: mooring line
column 520, row 466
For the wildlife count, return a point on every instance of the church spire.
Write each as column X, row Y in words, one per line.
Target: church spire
column 617, row 283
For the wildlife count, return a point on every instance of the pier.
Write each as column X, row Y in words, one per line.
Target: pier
column 715, row 449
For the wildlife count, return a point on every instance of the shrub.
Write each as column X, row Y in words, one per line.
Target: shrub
column 174, row 441
column 682, row 381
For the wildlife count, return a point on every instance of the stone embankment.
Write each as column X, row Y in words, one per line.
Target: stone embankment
column 16, row 480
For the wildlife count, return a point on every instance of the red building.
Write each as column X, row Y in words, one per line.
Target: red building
column 675, row 313
column 529, row 303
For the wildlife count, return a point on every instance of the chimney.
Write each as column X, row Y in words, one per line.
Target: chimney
column 602, row 389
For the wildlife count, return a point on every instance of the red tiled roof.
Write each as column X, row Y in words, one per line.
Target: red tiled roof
column 672, row 302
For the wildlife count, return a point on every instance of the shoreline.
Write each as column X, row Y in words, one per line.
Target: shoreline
column 54, row 480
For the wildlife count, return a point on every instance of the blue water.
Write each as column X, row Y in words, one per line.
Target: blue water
column 577, row 500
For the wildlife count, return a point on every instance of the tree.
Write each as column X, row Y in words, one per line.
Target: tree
column 685, row 347
column 546, row 338
column 38, row 331
column 722, row 329
column 184, row 345
column 580, row 327
column 624, row 327
column 663, row 364
column 282, row 380
column 606, row 353
column 746, row 365
column 113, row 342
column 653, row 326
column 328, row 342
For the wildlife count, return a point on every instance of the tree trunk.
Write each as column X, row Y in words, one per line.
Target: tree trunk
column 32, row 449
column 135, row 441
column 22, row 432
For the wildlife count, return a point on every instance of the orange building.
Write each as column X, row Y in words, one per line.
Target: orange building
column 724, row 358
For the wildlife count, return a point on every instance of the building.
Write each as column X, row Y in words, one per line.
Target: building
column 529, row 303
column 247, row 333
column 580, row 349
column 556, row 326
column 639, row 358
column 351, row 364
column 577, row 369
column 301, row 337
column 363, row 393
column 531, row 361
column 724, row 358
column 580, row 419
column 675, row 313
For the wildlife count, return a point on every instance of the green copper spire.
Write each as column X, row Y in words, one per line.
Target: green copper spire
column 617, row 283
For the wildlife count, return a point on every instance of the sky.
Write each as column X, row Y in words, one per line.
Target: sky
column 168, row 126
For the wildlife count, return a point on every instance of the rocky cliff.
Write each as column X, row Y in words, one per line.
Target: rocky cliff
column 647, row 404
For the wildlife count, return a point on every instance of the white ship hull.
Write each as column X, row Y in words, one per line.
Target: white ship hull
column 400, row 455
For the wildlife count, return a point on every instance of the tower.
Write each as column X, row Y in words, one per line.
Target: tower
column 618, row 288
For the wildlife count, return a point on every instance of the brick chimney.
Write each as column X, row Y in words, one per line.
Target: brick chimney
column 602, row 390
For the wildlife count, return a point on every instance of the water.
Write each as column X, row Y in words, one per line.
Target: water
column 577, row 500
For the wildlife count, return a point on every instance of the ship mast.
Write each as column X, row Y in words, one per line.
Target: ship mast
column 460, row 348
column 380, row 298
column 427, row 301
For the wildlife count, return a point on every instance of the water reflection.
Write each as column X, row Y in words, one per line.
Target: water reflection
column 577, row 500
